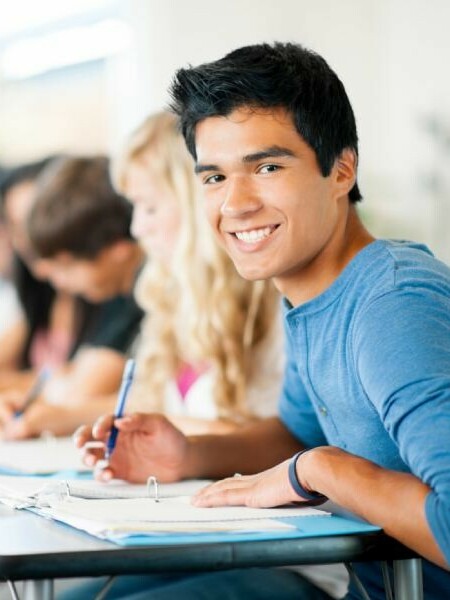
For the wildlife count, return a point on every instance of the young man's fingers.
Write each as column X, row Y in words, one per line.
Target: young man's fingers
column 104, row 474
column 236, row 482
column 225, row 497
column 91, row 455
column 147, row 423
column 102, row 427
column 82, row 435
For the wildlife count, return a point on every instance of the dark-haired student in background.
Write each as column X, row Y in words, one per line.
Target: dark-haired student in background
column 82, row 328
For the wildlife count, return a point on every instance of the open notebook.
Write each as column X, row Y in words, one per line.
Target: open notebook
column 129, row 515
column 118, row 509
column 42, row 456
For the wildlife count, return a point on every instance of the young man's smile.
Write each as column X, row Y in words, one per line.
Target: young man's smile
column 253, row 239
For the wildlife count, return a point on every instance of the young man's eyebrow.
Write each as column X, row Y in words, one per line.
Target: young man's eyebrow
column 199, row 168
column 270, row 152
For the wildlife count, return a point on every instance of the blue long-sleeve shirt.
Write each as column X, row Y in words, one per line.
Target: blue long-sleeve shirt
column 369, row 371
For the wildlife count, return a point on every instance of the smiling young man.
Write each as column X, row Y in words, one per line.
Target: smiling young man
column 367, row 384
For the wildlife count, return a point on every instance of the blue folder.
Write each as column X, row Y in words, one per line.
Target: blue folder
column 305, row 527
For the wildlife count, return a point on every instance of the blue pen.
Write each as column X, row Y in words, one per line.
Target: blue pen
column 127, row 380
column 35, row 390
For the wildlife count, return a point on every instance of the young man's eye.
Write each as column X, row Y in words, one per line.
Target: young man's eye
column 269, row 169
column 211, row 179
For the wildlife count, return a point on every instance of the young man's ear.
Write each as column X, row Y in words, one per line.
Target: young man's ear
column 345, row 171
column 120, row 250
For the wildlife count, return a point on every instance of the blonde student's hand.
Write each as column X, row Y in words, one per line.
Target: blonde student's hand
column 146, row 445
column 266, row 489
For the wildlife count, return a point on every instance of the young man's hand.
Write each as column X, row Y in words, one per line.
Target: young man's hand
column 264, row 490
column 146, row 445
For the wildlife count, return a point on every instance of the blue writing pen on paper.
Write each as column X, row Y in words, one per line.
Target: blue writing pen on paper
column 34, row 391
column 127, row 380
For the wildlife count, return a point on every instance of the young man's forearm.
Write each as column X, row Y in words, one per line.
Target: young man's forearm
column 248, row 450
column 394, row 501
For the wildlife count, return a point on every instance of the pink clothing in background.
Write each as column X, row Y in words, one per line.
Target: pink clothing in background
column 50, row 348
column 186, row 379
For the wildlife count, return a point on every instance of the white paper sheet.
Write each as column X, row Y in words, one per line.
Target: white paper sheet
column 41, row 456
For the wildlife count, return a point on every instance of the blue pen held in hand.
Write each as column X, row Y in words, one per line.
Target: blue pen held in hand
column 35, row 390
column 127, row 380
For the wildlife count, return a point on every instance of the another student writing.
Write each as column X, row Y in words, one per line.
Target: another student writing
column 93, row 264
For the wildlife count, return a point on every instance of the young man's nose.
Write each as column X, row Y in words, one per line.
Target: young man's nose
column 240, row 198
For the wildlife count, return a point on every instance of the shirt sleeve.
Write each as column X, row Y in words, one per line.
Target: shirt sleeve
column 295, row 408
column 116, row 325
column 402, row 345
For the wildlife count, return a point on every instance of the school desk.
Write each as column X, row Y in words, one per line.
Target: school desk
column 37, row 551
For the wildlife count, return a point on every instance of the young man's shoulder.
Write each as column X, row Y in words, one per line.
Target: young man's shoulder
column 384, row 275
column 402, row 284
column 402, row 266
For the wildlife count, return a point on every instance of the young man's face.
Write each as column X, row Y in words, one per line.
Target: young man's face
column 266, row 199
column 96, row 280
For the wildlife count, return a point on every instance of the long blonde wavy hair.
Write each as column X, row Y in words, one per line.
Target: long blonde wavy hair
column 199, row 311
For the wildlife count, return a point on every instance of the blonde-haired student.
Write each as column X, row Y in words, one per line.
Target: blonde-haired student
column 211, row 353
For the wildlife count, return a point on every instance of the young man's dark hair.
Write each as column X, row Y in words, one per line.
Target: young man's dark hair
column 74, row 197
column 279, row 76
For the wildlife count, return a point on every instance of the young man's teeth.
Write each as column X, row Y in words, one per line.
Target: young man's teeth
column 256, row 235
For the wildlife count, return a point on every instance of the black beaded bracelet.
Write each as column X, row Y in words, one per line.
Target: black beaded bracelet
column 297, row 486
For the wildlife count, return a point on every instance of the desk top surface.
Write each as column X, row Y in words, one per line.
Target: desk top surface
column 32, row 547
